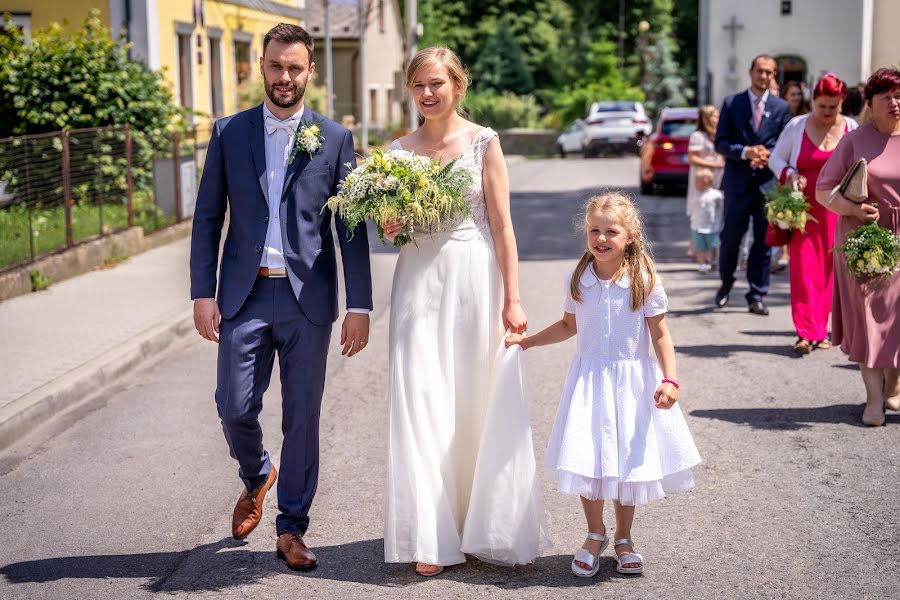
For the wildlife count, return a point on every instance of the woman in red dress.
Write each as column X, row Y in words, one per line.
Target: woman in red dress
column 804, row 146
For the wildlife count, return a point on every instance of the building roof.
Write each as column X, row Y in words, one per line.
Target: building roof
column 344, row 19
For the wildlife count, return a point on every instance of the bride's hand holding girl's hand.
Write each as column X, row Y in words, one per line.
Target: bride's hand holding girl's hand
column 514, row 318
column 515, row 339
column 391, row 229
column 666, row 396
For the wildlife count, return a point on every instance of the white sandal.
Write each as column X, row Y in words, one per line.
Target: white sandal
column 593, row 560
column 628, row 558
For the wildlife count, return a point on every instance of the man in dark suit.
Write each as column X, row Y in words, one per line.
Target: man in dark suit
column 274, row 166
column 749, row 125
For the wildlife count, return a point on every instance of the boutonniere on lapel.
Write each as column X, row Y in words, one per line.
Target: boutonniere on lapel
column 766, row 114
column 307, row 139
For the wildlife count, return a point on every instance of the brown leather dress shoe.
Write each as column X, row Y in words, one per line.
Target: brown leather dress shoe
column 290, row 548
column 248, row 510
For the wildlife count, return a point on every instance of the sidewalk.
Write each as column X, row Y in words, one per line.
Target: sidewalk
column 66, row 343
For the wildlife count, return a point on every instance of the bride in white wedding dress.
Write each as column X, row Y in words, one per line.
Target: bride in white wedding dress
column 458, row 484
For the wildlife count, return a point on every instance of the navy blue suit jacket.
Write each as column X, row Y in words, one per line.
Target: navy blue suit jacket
column 735, row 131
column 234, row 175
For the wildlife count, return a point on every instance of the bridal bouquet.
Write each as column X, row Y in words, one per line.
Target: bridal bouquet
column 787, row 208
column 871, row 250
column 397, row 185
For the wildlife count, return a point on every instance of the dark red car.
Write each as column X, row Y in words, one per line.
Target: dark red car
column 664, row 157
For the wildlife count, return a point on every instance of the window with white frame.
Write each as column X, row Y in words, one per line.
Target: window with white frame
column 18, row 20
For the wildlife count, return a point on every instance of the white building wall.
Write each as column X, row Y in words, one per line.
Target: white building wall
column 384, row 57
column 885, row 35
column 827, row 34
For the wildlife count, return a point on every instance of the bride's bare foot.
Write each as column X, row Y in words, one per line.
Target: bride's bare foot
column 892, row 389
column 592, row 546
column 426, row 570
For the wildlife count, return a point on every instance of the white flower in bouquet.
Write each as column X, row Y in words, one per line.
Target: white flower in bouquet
column 398, row 185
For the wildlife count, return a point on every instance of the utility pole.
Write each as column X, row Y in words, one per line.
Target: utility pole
column 363, row 113
column 412, row 42
column 329, row 67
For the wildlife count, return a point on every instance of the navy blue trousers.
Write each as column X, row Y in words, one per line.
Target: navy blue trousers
column 740, row 211
column 270, row 322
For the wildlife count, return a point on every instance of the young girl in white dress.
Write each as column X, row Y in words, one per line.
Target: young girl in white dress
column 618, row 433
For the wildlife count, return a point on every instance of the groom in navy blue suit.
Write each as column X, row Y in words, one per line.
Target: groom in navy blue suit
column 277, row 288
column 749, row 125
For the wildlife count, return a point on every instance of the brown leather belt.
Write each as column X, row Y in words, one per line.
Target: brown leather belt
column 267, row 272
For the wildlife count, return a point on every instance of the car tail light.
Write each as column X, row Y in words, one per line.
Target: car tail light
column 594, row 121
column 667, row 145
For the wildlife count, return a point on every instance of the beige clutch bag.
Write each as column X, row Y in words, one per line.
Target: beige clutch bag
column 854, row 185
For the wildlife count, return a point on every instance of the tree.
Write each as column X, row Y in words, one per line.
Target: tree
column 601, row 80
column 664, row 85
column 82, row 79
column 501, row 66
column 11, row 43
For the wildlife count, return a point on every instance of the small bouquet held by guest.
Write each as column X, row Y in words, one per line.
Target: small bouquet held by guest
column 871, row 250
column 787, row 208
column 397, row 185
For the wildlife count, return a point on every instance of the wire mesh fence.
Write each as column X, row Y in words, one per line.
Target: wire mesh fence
column 63, row 188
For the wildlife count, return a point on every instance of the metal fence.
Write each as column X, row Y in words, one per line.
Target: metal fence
column 63, row 188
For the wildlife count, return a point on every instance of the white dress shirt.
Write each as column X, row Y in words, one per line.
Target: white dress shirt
column 278, row 148
column 753, row 99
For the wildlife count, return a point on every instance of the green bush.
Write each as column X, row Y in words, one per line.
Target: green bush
column 503, row 111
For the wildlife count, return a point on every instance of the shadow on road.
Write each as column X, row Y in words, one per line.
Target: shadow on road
column 224, row 564
column 725, row 350
column 791, row 418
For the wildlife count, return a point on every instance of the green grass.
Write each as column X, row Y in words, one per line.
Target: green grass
column 48, row 225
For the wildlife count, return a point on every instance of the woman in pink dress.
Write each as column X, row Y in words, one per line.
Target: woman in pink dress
column 866, row 321
column 804, row 146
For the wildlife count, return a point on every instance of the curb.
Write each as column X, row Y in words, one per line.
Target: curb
column 27, row 413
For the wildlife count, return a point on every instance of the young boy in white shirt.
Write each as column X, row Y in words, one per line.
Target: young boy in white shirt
column 706, row 220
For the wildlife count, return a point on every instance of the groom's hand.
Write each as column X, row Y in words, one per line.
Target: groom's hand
column 206, row 318
column 354, row 333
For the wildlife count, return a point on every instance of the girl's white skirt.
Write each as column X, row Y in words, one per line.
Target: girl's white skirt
column 609, row 441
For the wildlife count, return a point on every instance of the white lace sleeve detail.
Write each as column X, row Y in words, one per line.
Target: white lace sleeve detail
column 480, row 143
column 395, row 145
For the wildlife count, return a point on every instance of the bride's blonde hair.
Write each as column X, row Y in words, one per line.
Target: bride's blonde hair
column 439, row 55
column 638, row 259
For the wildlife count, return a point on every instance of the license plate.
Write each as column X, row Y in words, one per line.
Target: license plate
column 617, row 140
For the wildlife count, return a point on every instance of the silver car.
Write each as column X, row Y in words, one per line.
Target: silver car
column 570, row 140
column 615, row 126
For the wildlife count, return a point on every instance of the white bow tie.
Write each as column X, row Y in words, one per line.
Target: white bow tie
column 272, row 124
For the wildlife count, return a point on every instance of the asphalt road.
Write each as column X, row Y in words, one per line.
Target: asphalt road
column 131, row 496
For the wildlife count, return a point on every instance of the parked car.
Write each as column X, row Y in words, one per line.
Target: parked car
column 664, row 158
column 615, row 126
column 571, row 140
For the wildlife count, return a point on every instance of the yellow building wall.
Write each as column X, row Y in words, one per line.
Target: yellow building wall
column 234, row 22
column 44, row 12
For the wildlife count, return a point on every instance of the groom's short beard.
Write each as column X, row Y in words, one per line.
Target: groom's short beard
column 296, row 97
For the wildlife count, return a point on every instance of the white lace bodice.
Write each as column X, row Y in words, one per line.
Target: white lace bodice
column 471, row 159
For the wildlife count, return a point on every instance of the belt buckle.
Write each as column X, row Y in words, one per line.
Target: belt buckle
column 274, row 273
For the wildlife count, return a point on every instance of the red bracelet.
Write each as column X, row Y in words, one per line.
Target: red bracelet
column 672, row 381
